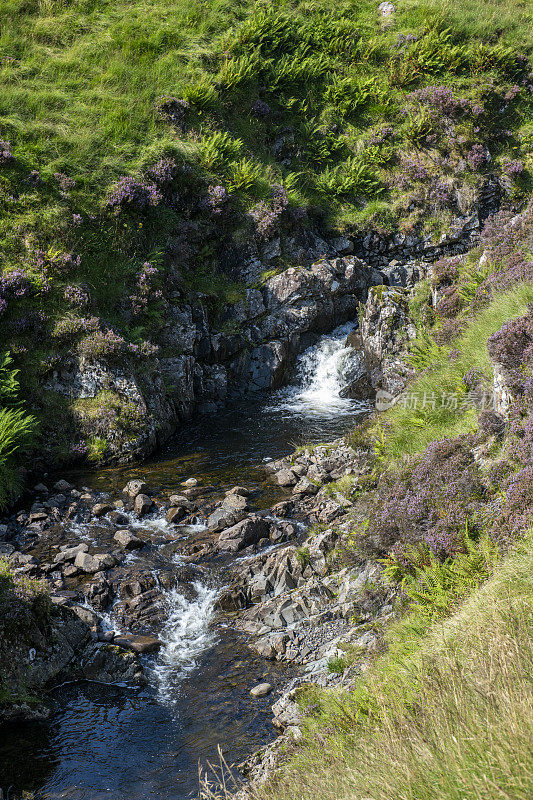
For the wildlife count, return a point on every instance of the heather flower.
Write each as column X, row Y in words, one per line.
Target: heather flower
column 5, row 152
column 31, row 322
column 477, row 156
column 77, row 296
column 512, row 167
column 65, row 183
column 508, row 345
column 163, row 171
column 132, row 193
column 450, row 304
column 472, row 379
column 77, row 219
column 260, row 109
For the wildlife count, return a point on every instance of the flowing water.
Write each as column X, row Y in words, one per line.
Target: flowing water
column 111, row 742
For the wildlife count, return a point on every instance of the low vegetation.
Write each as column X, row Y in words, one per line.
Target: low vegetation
column 17, row 430
column 142, row 153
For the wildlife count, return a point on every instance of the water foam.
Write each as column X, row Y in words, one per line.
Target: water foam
column 187, row 633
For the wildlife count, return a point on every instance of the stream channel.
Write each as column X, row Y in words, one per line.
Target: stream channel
column 112, row 742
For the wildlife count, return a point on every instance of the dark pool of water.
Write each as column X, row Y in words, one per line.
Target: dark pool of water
column 229, row 448
column 107, row 742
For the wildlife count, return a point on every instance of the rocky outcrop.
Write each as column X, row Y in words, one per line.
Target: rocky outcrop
column 386, row 329
column 200, row 368
column 44, row 655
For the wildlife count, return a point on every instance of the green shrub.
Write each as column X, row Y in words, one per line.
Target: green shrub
column 97, row 448
column 17, row 432
column 219, row 148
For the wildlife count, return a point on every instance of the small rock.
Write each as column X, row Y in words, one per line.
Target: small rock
column 190, row 483
column 261, row 690
column 178, row 500
column 41, row 488
column 242, row 490
column 142, row 504
column 38, row 516
column 127, row 540
column 135, row 487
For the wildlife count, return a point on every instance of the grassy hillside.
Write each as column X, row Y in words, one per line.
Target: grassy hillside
column 143, row 147
column 448, row 712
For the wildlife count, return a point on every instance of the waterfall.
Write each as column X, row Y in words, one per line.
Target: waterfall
column 322, row 371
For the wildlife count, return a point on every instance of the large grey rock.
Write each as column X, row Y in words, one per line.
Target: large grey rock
column 286, row 477
column 243, row 534
column 135, row 487
column 128, row 540
column 224, row 517
column 70, row 553
column 94, row 563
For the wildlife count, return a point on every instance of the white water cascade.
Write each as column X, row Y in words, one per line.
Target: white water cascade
column 322, row 370
column 185, row 636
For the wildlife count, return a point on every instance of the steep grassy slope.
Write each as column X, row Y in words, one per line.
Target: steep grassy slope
column 448, row 712
column 137, row 138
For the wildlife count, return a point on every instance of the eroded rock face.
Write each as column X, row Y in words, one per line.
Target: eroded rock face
column 386, row 328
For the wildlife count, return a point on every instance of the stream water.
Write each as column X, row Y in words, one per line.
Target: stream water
column 111, row 742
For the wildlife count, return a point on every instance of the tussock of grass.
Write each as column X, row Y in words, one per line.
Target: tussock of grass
column 445, row 714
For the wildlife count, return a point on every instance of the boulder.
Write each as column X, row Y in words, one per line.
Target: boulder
column 286, row 477
column 181, row 500
column 94, row 563
column 135, row 487
column 243, row 534
column 139, row 644
column 128, row 540
column 70, row 553
column 142, row 504
column 86, row 563
column 176, row 514
column 304, row 486
column 235, row 502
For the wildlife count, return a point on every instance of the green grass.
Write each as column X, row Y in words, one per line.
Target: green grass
column 446, row 713
column 442, row 407
column 17, row 431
